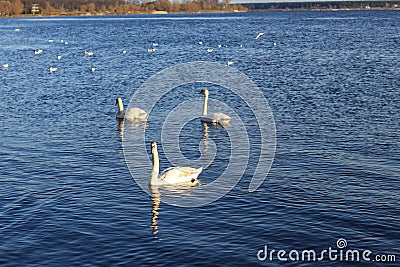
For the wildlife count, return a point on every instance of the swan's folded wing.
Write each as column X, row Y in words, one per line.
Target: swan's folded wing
column 220, row 117
column 175, row 175
column 136, row 113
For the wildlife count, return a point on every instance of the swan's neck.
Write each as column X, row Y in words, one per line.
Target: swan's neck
column 120, row 107
column 156, row 168
column 205, row 105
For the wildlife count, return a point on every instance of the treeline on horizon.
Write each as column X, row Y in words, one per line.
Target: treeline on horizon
column 103, row 7
column 324, row 5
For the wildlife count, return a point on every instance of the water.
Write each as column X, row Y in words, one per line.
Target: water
column 67, row 197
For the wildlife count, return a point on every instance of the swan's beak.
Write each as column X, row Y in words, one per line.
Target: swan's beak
column 201, row 92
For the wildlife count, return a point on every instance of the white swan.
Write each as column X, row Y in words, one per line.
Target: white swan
column 131, row 113
column 173, row 175
column 217, row 118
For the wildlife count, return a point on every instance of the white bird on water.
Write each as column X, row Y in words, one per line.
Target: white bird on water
column 59, row 57
column 259, row 35
column 5, row 66
column 89, row 53
column 53, row 69
column 133, row 114
column 38, row 52
column 172, row 175
column 229, row 63
column 216, row 118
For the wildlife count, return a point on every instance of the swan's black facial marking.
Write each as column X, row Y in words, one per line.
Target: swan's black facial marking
column 193, row 180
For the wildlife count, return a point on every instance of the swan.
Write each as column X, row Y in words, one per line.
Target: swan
column 173, row 175
column 217, row 118
column 131, row 113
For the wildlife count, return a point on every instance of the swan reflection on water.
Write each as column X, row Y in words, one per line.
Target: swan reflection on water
column 131, row 124
column 205, row 135
column 155, row 196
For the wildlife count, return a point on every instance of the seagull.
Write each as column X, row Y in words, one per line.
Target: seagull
column 39, row 51
column 52, row 69
column 153, row 49
column 89, row 53
column 124, row 52
column 229, row 63
column 5, row 66
column 93, row 69
column 259, row 35
column 200, row 42
column 59, row 57
column 209, row 50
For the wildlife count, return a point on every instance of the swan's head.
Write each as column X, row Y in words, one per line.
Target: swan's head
column 204, row 92
column 153, row 147
column 118, row 101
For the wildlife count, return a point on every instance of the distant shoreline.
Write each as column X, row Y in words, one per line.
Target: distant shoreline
column 206, row 12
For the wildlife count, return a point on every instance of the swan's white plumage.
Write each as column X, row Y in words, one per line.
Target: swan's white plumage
column 179, row 175
column 216, row 118
column 172, row 175
column 220, row 118
column 131, row 113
